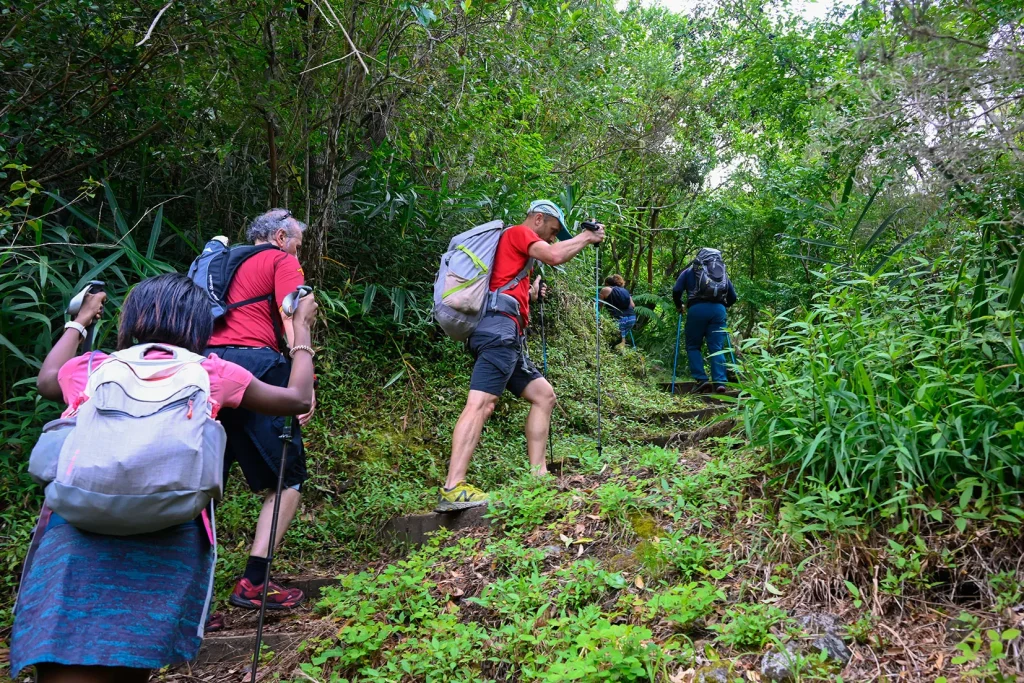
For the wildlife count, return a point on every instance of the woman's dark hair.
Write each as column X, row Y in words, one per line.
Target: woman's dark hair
column 615, row 281
column 166, row 309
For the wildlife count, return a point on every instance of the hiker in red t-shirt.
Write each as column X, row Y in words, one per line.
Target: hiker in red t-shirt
column 250, row 336
column 499, row 344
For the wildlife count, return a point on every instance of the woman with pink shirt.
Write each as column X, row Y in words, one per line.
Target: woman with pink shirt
column 94, row 608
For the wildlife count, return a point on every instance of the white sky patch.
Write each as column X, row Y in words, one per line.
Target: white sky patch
column 810, row 10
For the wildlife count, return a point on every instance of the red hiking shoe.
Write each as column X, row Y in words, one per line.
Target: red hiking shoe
column 278, row 597
column 215, row 623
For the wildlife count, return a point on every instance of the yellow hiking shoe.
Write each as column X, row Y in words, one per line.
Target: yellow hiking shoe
column 459, row 498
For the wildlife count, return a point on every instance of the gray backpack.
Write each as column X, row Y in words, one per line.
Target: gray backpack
column 141, row 453
column 461, row 289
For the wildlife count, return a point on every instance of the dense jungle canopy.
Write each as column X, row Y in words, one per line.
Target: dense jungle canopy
column 860, row 168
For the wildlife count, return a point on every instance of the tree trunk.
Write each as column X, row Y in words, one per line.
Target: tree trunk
column 650, row 249
column 636, row 263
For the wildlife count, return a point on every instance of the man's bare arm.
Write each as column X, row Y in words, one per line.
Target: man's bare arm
column 561, row 252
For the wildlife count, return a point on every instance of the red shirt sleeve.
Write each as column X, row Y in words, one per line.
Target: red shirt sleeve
column 287, row 276
column 521, row 237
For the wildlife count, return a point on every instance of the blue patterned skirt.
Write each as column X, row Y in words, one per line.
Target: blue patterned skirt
column 133, row 601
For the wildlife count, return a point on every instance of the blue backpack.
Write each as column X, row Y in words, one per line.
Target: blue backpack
column 214, row 269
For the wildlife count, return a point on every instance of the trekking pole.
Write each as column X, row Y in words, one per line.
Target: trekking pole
column 544, row 356
column 75, row 305
column 675, row 362
column 592, row 225
column 288, row 308
column 286, row 437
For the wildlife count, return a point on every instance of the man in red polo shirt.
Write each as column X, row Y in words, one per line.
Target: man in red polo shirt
column 499, row 346
column 251, row 336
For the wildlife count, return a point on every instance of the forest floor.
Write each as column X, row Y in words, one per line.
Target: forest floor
column 669, row 560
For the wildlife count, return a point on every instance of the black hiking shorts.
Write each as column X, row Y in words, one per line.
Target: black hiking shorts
column 254, row 440
column 501, row 360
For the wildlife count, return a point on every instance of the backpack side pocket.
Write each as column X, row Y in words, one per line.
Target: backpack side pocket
column 42, row 464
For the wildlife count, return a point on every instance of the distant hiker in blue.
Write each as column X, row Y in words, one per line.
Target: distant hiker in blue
column 708, row 293
column 620, row 303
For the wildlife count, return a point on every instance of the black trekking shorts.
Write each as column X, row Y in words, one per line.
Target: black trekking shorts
column 254, row 440
column 501, row 361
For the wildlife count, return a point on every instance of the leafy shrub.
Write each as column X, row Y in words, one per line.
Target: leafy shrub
column 661, row 461
column 584, row 582
column 615, row 500
column 524, row 505
column 518, row 594
column 691, row 556
column 888, row 389
column 608, row 652
column 683, row 605
column 748, row 626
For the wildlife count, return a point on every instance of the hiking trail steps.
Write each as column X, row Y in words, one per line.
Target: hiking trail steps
column 233, row 646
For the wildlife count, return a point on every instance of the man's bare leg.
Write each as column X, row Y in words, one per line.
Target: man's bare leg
column 479, row 406
column 542, row 402
column 289, row 505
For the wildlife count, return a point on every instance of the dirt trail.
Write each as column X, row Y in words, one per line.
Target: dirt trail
column 697, row 517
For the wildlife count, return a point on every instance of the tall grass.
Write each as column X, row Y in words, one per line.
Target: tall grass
column 886, row 389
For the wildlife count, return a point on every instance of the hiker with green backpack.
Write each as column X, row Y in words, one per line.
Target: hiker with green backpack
column 119, row 574
column 482, row 296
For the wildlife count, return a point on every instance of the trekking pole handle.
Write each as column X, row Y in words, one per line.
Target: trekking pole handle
column 590, row 224
column 291, row 302
column 75, row 305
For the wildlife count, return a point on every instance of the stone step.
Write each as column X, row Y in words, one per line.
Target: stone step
column 237, row 649
column 715, row 399
column 414, row 529
column 310, row 585
column 699, row 414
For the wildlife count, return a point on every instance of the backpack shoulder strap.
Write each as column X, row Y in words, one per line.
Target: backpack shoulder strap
column 235, row 257
column 518, row 278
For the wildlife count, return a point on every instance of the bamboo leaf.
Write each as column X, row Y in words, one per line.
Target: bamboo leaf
column 892, row 252
column 18, row 354
column 979, row 302
column 805, row 240
column 397, row 376
column 847, row 188
column 1017, row 288
column 97, row 269
column 368, row 296
column 814, row 260
column 115, row 209
column 864, row 211
column 154, row 234
column 881, row 228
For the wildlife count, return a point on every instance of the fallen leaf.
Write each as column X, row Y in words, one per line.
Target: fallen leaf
column 768, row 587
column 583, row 540
column 593, row 517
column 681, row 676
column 580, row 553
column 565, row 539
column 639, row 582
